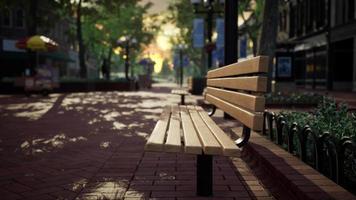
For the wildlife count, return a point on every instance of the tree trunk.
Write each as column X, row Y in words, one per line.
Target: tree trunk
column 127, row 62
column 108, row 64
column 268, row 38
column 83, row 68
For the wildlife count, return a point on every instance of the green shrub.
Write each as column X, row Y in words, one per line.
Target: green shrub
column 293, row 98
column 327, row 117
column 335, row 119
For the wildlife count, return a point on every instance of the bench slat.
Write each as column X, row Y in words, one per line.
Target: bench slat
column 156, row 140
column 228, row 145
column 191, row 139
column 253, row 83
column 253, row 65
column 179, row 92
column 173, row 142
column 210, row 144
column 251, row 120
column 251, row 102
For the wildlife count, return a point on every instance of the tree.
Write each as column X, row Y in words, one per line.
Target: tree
column 269, row 35
column 182, row 15
column 99, row 24
column 75, row 9
column 82, row 65
column 113, row 20
column 252, row 24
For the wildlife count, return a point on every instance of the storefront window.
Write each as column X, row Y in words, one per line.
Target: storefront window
column 20, row 18
column 6, row 17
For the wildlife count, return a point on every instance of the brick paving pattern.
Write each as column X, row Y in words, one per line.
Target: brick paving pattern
column 90, row 146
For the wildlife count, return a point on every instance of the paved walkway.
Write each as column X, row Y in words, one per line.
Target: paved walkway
column 90, row 146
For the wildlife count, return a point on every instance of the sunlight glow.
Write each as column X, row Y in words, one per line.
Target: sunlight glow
column 158, row 59
column 163, row 42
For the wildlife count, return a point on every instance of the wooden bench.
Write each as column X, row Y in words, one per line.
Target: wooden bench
column 182, row 93
column 236, row 89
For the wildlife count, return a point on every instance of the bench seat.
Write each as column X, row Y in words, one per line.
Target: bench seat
column 182, row 93
column 236, row 89
column 189, row 129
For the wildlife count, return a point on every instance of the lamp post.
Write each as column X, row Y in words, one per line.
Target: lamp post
column 127, row 42
column 209, row 8
column 180, row 48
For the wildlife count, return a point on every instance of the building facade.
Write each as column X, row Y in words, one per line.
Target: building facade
column 15, row 20
column 316, row 45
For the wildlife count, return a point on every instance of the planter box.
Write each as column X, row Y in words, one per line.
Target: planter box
column 196, row 85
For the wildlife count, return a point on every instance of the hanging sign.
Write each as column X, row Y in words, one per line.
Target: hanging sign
column 198, row 33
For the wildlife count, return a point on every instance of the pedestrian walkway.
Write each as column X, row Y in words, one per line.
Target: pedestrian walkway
column 90, row 146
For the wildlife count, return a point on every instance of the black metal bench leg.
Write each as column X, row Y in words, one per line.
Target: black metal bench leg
column 204, row 175
column 182, row 100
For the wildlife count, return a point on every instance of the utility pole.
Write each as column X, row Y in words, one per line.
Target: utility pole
column 231, row 32
column 210, row 9
column 209, row 23
column 181, row 66
column 231, row 35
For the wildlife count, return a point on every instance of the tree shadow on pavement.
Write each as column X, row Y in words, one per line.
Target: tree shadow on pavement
column 91, row 146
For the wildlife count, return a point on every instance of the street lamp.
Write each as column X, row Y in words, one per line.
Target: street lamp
column 180, row 48
column 127, row 42
column 207, row 7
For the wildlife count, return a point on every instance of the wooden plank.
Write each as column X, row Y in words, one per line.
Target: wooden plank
column 248, row 101
column 228, row 145
column 179, row 92
column 156, row 140
column 210, row 145
column 173, row 142
column 253, row 65
column 191, row 139
column 250, row 119
column 252, row 83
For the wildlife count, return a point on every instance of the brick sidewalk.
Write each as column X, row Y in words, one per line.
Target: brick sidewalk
column 90, row 146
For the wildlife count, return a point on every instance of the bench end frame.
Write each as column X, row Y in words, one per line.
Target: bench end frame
column 246, row 132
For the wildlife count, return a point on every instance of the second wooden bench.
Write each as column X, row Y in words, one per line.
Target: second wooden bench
column 236, row 89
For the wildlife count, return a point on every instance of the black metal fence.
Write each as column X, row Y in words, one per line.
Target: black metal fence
column 335, row 158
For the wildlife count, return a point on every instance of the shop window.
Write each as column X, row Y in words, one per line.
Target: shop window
column 20, row 18
column 6, row 17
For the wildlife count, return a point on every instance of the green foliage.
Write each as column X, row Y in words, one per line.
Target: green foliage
column 293, row 98
column 166, row 71
column 328, row 117
column 181, row 14
column 104, row 27
column 251, row 25
column 335, row 119
column 301, row 118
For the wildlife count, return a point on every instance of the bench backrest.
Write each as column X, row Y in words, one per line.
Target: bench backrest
column 238, row 89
